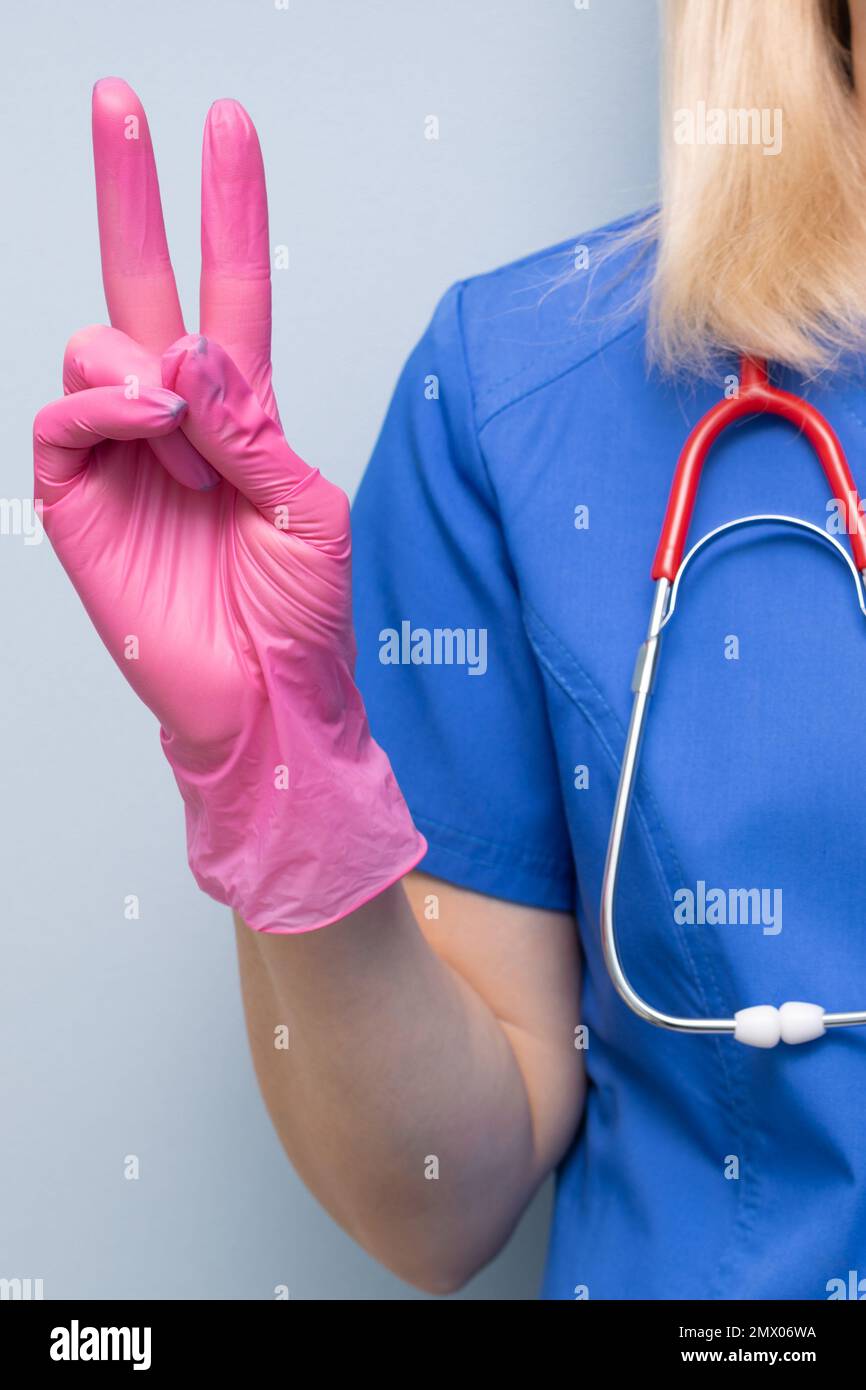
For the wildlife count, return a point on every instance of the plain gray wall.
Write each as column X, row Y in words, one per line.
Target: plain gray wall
column 126, row 1037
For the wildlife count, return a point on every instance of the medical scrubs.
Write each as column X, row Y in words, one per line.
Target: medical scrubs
column 517, row 490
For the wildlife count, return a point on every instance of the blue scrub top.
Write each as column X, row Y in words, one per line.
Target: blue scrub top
column 702, row 1169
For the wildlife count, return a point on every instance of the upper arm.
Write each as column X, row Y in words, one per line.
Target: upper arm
column 524, row 963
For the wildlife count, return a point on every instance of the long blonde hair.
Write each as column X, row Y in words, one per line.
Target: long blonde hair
column 759, row 252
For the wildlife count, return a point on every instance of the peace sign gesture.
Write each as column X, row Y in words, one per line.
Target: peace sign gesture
column 214, row 563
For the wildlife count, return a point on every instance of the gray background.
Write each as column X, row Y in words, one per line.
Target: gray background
column 124, row 1037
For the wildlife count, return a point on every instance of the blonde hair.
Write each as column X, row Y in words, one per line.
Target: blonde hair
column 757, row 252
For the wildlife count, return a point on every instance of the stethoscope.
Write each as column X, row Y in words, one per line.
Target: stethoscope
column 761, row 1025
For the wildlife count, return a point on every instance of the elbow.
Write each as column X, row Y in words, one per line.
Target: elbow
column 439, row 1279
column 437, row 1249
column 435, row 1267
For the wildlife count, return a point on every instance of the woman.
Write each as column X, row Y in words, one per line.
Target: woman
column 426, row 939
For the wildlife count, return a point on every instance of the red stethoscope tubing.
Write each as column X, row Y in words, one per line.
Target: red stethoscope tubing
column 756, row 396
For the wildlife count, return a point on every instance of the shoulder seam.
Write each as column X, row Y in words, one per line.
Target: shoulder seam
column 548, row 381
column 470, row 386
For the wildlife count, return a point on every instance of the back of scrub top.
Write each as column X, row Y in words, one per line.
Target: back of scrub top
column 504, row 535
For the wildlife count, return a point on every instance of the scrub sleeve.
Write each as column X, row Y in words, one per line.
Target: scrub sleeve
column 451, row 687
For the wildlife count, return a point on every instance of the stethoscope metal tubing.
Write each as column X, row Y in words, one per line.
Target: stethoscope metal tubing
column 663, row 606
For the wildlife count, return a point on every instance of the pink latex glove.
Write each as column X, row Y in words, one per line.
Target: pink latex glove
column 214, row 563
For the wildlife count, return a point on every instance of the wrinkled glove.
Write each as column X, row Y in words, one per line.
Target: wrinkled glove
column 214, row 563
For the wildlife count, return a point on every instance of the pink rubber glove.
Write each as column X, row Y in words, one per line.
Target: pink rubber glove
column 214, row 563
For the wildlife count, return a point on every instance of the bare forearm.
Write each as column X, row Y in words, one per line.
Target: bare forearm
column 399, row 1098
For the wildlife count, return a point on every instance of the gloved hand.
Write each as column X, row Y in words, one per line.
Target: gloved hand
column 214, row 563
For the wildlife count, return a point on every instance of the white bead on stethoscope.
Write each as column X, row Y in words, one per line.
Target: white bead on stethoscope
column 762, row 1025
